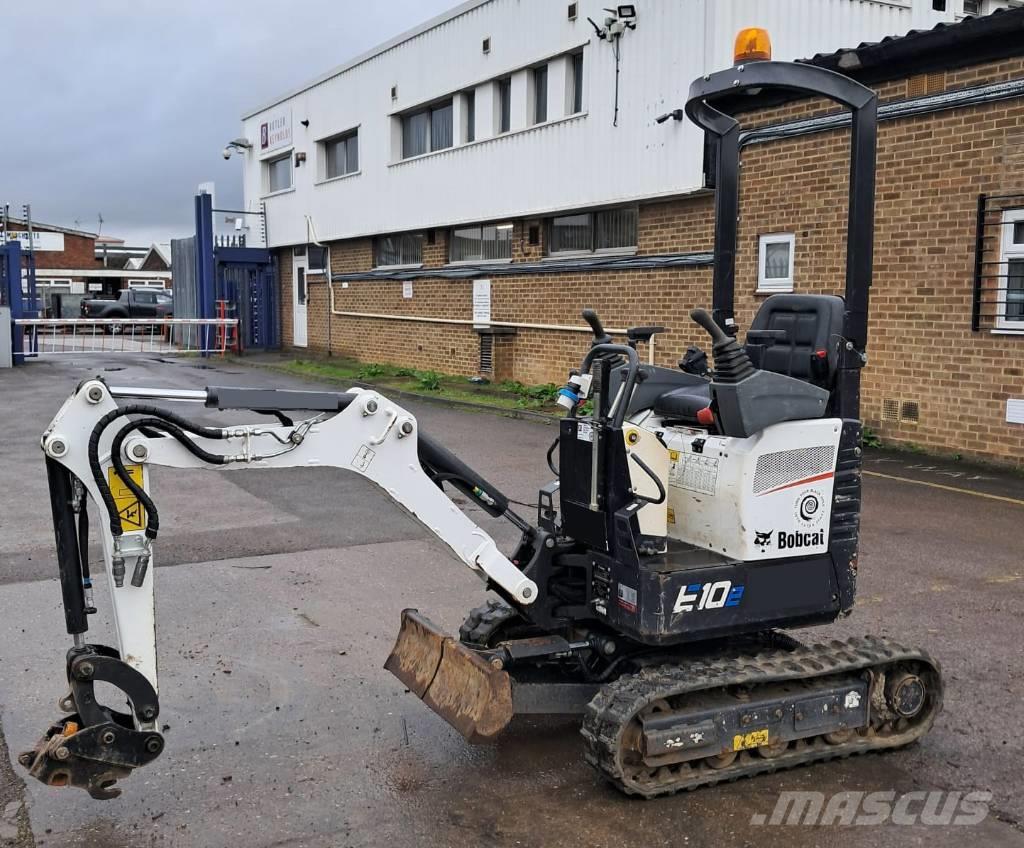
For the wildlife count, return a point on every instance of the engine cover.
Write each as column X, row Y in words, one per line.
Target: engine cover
column 765, row 497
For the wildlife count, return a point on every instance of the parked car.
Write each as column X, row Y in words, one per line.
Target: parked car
column 131, row 303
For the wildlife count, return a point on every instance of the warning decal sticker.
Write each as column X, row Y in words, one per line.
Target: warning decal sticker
column 133, row 516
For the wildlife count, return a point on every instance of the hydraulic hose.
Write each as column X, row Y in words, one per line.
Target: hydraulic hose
column 161, row 416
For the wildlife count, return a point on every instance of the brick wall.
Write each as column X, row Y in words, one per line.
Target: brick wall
column 78, row 253
column 921, row 348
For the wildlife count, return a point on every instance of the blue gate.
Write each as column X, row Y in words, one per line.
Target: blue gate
column 244, row 280
column 18, row 293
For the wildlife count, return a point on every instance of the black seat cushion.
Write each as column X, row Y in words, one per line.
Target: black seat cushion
column 811, row 323
column 684, row 403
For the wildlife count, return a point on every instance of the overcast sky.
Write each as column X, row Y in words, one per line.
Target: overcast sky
column 122, row 107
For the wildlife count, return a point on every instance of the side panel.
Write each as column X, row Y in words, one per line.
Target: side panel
column 761, row 498
column 702, row 603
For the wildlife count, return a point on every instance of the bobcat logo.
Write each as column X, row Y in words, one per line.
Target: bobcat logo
column 762, row 539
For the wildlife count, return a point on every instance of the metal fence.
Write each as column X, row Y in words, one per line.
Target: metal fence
column 46, row 337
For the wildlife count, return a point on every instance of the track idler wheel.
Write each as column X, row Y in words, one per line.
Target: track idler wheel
column 905, row 694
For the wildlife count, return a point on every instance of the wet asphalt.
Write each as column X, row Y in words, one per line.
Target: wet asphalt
column 278, row 595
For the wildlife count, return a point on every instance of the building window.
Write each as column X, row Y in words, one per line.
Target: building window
column 588, row 232
column 469, row 112
column 427, row 130
column 576, row 83
column 341, row 155
column 483, row 243
column 401, row 249
column 540, row 94
column 278, row 173
column 504, row 104
column 1010, row 302
column 775, row 263
column 316, row 258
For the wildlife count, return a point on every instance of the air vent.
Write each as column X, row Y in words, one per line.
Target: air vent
column 910, row 412
column 394, row 92
column 972, row 7
column 786, row 467
column 486, row 353
column 487, row 45
column 572, row 11
column 534, row 234
column 923, row 84
column 890, row 410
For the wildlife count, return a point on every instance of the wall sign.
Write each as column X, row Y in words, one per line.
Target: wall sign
column 276, row 131
column 481, row 303
column 407, row 289
column 40, row 241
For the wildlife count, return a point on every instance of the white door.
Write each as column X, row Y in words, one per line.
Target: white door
column 300, row 295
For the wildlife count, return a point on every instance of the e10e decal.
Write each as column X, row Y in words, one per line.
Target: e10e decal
column 708, row 596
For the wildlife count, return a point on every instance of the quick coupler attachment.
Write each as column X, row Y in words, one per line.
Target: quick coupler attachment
column 95, row 746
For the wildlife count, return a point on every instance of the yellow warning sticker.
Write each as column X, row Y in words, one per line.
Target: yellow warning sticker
column 750, row 740
column 671, row 516
column 673, row 456
column 133, row 516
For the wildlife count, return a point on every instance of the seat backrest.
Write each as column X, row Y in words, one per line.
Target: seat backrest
column 811, row 323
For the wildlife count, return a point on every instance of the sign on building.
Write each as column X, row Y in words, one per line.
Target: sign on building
column 276, row 131
column 481, row 303
column 39, row 242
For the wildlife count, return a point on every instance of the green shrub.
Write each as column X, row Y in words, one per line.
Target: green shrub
column 371, row 371
column 428, row 380
column 869, row 438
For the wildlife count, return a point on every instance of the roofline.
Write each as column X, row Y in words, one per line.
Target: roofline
column 383, row 47
column 968, row 42
column 53, row 228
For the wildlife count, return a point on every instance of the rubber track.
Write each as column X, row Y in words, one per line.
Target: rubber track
column 614, row 707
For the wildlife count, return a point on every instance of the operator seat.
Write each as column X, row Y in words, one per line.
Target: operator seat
column 798, row 335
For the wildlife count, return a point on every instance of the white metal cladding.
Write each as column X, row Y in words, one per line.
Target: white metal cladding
column 561, row 164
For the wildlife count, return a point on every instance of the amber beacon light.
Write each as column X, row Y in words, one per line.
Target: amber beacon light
column 752, row 45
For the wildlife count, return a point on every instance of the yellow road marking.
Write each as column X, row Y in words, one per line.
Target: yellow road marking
column 945, row 488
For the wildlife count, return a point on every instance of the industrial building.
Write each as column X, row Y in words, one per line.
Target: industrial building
column 74, row 264
column 457, row 215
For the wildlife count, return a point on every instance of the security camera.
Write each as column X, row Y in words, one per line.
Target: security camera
column 227, row 153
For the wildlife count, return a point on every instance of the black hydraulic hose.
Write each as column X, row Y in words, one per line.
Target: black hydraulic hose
column 654, row 477
column 94, row 454
column 551, row 454
column 152, row 517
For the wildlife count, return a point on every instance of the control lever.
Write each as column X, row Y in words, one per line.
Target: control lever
column 600, row 336
column 731, row 361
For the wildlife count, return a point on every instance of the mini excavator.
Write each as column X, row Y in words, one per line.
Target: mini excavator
column 695, row 517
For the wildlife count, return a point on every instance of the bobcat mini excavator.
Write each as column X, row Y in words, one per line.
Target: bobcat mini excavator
column 694, row 516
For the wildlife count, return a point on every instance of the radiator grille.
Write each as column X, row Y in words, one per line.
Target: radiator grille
column 777, row 469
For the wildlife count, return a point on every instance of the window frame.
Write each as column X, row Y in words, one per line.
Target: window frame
column 504, row 111
column 775, row 285
column 469, row 115
column 1009, row 250
column 576, row 81
column 324, row 156
column 413, row 234
column 428, row 110
column 310, row 252
column 539, row 85
column 268, row 164
column 592, row 225
column 497, row 225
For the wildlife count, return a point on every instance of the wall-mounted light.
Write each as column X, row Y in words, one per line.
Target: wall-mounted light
column 236, row 145
column 300, row 157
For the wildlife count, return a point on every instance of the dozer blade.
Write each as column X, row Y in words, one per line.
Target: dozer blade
column 455, row 682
